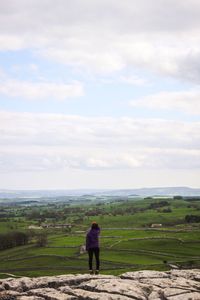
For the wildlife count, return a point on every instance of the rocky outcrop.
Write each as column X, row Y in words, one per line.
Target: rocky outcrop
column 141, row 285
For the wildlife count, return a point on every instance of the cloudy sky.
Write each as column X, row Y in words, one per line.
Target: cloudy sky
column 99, row 93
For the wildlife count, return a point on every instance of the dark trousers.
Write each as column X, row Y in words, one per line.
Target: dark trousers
column 94, row 251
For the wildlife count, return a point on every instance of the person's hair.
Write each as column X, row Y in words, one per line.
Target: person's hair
column 94, row 225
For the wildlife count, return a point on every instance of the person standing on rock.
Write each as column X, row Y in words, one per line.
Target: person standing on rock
column 92, row 247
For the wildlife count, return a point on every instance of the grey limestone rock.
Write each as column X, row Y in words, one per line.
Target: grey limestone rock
column 140, row 285
column 145, row 274
column 121, row 287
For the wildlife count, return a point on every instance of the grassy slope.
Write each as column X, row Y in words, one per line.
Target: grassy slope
column 121, row 249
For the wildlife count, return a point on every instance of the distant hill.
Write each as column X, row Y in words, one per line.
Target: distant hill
column 143, row 192
column 11, row 194
column 157, row 191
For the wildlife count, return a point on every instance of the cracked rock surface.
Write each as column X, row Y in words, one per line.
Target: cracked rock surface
column 141, row 285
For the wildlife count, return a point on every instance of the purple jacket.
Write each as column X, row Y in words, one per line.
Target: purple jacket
column 92, row 238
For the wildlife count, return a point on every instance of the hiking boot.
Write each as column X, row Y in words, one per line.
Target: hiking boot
column 91, row 272
column 97, row 272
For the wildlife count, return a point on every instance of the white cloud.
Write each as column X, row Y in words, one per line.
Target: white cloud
column 40, row 90
column 186, row 101
column 59, row 129
column 32, row 142
column 100, row 38
column 11, row 42
column 107, row 36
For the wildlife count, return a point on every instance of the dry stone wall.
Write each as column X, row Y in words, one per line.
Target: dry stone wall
column 141, row 285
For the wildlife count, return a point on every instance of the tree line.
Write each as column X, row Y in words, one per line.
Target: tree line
column 13, row 239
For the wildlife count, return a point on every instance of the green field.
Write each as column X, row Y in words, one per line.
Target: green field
column 127, row 240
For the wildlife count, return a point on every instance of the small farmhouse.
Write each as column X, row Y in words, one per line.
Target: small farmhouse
column 156, row 225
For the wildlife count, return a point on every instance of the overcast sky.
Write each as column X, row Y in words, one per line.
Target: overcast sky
column 99, row 93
